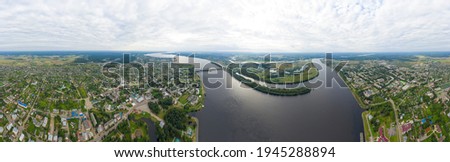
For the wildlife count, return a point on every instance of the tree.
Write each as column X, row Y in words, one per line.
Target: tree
column 166, row 102
column 176, row 118
column 154, row 107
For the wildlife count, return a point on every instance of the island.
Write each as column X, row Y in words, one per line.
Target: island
column 253, row 74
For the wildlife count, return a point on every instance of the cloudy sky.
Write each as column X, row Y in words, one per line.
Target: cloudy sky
column 216, row 25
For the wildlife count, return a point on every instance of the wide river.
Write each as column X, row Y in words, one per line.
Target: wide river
column 243, row 114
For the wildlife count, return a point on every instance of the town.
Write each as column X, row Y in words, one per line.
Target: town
column 69, row 99
column 406, row 100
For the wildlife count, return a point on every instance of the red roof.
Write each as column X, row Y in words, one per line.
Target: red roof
column 406, row 127
column 428, row 130
column 438, row 129
column 382, row 137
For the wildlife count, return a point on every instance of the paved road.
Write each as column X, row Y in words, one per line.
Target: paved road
column 399, row 131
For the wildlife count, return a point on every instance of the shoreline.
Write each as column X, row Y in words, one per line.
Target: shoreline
column 358, row 100
column 197, row 128
column 362, row 106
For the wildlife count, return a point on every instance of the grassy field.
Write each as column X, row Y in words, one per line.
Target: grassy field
column 184, row 98
column 308, row 74
column 313, row 72
column 445, row 60
column 31, row 60
column 367, row 130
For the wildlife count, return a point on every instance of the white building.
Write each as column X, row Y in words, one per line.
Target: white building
column 15, row 131
column 9, row 126
column 64, row 122
column 140, row 99
column 22, row 136
column 44, row 124
column 50, row 137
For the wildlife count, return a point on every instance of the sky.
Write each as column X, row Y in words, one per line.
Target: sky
column 226, row 25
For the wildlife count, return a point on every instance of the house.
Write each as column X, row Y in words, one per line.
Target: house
column 14, row 116
column 118, row 116
column 108, row 108
column 64, row 122
column 99, row 128
column 22, row 136
column 87, row 125
column 1, row 129
column 189, row 132
column 423, row 121
column 15, row 131
column 406, row 87
column 85, row 136
column 22, row 104
column 140, row 99
column 368, row 93
column 428, row 130
column 44, row 124
column 50, row 137
column 406, row 128
column 9, row 126
column 382, row 138
column 36, row 123
column 109, row 124
column 437, row 128
column 161, row 124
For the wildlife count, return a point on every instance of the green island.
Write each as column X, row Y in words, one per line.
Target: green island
column 297, row 74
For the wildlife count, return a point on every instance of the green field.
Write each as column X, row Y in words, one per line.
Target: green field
column 309, row 73
column 312, row 73
column 26, row 60
column 184, row 98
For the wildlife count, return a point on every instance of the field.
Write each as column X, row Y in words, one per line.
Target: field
column 445, row 60
column 289, row 76
column 184, row 99
column 313, row 72
column 34, row 60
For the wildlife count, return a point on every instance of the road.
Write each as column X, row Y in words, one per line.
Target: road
column 399, row 131
column 24, row 122
column 370, row 131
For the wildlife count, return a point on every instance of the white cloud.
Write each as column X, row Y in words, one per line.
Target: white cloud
column 257, row 25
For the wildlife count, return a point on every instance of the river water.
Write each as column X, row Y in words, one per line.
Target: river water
column 243, row 114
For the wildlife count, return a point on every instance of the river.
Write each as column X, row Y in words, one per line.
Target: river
column 243, row 114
